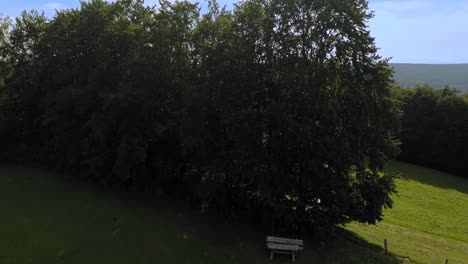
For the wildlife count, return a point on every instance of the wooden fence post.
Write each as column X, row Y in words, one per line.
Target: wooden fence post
column 385, row 244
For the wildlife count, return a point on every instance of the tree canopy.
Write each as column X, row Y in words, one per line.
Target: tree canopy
column 435, row 128
column 276, row 109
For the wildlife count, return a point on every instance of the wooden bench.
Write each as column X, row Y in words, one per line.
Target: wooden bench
column 284, row 246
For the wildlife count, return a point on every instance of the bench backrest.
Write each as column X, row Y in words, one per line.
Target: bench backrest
column 281, row 240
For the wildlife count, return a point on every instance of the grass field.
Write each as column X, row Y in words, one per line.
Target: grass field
column 429, row 221
column 48, row 218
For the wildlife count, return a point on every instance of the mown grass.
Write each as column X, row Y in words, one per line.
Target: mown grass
column 49, row 218
column 429, row 220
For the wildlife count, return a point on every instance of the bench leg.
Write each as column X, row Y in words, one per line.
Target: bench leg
column 294, row 256
column 271, row 255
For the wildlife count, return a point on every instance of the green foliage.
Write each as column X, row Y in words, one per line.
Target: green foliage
column 19, row 91
column 280, row 110
column 435, row 128
column 5, row 24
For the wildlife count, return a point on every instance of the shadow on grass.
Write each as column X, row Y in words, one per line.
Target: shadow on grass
column 428, row 176
column 342, row 247
column 347, row 247
column 77, row 222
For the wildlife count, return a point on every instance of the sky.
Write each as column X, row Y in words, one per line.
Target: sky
column 407, row 31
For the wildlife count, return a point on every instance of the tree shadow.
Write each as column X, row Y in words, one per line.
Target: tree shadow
column 203, row 238
column 344, row 246
column 428, row 176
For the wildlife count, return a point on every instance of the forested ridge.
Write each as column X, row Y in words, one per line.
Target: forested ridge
column 434, row 75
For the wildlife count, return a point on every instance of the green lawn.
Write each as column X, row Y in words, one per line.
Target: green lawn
column 48, row 219
column 429, row 221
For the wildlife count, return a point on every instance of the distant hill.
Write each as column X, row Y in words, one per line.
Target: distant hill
column 436, row 75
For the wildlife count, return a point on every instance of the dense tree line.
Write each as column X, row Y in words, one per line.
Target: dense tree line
column 281, row 110
column 435, row 128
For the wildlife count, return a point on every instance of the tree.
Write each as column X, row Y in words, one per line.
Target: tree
column 276, row 109
column 5, row 71
column 20, row 92
column 5, row 24
column 435, row 128
column 300, row 116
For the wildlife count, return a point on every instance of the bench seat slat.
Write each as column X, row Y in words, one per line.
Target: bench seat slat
column 281, row 240
column 283, row 247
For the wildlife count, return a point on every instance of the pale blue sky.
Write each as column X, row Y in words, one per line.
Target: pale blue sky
column 412, row 31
